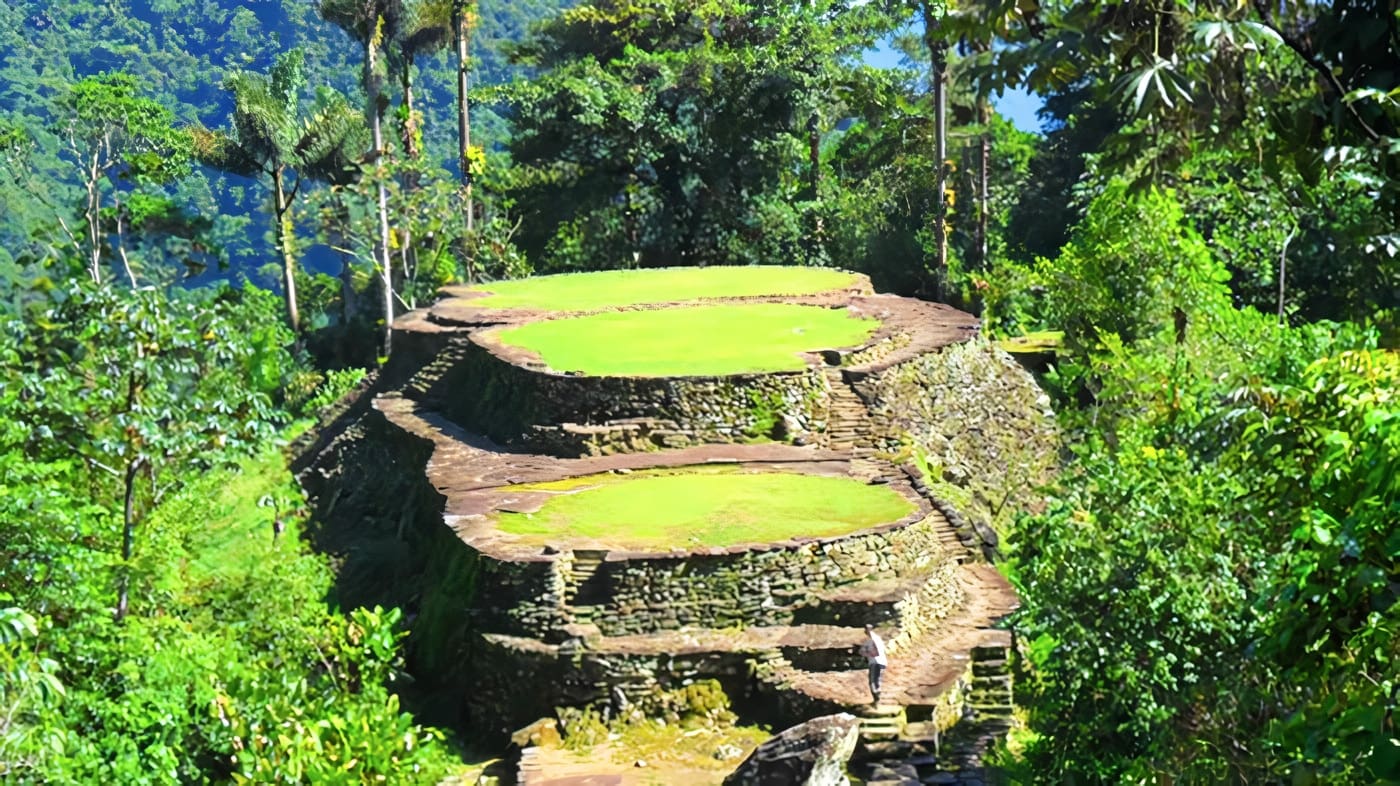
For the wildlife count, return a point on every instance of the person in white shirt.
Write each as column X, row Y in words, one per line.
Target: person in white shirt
column 873, row 648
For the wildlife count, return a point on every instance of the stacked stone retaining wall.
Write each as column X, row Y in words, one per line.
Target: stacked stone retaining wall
column 568, row 415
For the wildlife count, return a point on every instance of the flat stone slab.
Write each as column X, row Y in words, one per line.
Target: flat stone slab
column 753, row 640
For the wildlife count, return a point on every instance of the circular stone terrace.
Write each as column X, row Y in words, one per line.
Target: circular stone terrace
column 705, row 499
column 706, row 506
column 688, row 322
column 848, row 534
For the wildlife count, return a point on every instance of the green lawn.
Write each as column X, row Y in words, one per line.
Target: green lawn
column 588, row 291
column 690, row 341
column 704, row 506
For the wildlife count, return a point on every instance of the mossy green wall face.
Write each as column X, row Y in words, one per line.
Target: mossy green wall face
column 975, row 421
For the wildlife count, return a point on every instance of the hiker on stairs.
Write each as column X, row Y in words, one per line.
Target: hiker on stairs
column 873, row 648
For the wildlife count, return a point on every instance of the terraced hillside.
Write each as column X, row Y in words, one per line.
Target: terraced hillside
column 593, row 534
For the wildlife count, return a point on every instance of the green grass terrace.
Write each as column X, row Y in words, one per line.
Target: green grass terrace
column 714, row 340
column 619, row 288
column 700, row 507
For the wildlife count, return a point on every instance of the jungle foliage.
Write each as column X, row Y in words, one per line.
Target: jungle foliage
column 211, row 211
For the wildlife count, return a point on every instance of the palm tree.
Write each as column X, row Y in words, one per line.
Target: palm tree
column 424, row 28
column 268, row 139
column 372, row 23
column 463, row 22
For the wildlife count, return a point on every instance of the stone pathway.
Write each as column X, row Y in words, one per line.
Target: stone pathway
column 922, row 671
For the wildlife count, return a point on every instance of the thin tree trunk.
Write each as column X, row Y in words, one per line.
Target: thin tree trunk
column 984, row 199
column 407, row 256
column 410, row 123
column 461, row 29
column 283, row 231
column 937, row 57
column 133, row 467
column 377, row 138
column 93, row 209
column 1283, row 271
column 121, row 243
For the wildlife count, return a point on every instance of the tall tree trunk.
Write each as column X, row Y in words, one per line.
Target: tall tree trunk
column 814, row 177
column 461, row 33
column 121, row 241
column 407, row 256
column 938, row 60
column 409, row 133
column 94, row 209
column 376, row 125
column 133, row 468
column 283, row 230
column 984, row 200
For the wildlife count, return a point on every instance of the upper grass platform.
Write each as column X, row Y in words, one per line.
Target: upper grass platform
column 702, row 506
column 616, row 288
column 690, row 341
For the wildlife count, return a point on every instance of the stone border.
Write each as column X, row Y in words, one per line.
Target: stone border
column 455, row 307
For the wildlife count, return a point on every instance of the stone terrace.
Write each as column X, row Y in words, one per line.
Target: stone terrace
column 581, row 623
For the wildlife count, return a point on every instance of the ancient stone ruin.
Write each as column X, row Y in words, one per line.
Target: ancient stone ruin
column 465, row 431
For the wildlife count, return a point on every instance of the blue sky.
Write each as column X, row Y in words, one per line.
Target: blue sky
column 1018, row 105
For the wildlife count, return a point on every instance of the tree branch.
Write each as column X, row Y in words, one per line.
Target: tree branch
column 1317, row 64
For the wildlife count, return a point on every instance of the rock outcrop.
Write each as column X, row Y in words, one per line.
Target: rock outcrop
column 809, row 754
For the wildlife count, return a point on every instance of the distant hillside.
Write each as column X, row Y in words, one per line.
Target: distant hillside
column 181, row 51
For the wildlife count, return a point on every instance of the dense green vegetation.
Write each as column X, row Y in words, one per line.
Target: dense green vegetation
column 579, row 292
column 703, row 508
column 206, row 207
column 690, row 340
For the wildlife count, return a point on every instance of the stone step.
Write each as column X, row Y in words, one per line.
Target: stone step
column 892, row 773
column 987, row 653
column 925, row 731
column 992, row 709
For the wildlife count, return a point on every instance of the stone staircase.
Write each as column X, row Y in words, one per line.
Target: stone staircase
column 585, row 589
column 882, row 722
column 848, row 426
column 924, row 754
column 427, row 385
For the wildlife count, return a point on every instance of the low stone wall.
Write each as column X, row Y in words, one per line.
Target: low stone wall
column 528, row 680
column 567, row 415
column 520, row 598
column 751, row 587
column 984, row 429
column 922, row 610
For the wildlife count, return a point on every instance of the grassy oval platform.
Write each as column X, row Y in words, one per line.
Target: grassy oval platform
column 691, row 340
column 588, row 291
column 702, row 507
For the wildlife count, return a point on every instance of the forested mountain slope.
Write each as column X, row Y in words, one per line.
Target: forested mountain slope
column 180, row 52
column 1204, row 242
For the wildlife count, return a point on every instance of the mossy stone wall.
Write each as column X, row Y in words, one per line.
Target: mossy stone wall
column 567, row 415
column 528, row 680
column 769, row 586
column 976, row 422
